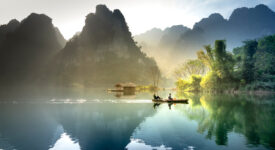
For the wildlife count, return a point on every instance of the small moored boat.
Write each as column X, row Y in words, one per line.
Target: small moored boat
column 170, row 101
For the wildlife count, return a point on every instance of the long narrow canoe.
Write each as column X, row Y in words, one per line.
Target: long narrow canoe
column 171, row 101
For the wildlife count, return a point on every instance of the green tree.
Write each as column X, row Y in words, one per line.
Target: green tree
column 191, row 85
column 255, row 63
column 248, row 60
column 265, row 59
column 195, row 83
column 221, row 64
column 189, row 68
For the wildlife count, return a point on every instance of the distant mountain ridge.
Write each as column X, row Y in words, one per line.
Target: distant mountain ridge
column 160, row 44
column 243, row 24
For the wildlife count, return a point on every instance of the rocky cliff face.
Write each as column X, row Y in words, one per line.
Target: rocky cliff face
column 103, row 53
column 26, row 47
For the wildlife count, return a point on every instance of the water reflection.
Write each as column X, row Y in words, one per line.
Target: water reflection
column 66, row 143
column 225, row 114
column 207, row 122
column 94, row 126
column 156, row 105
column 138, row 144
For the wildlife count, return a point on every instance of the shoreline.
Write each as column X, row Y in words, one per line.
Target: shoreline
column 236, row 92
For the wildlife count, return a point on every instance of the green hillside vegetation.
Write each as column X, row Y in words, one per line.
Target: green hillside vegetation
column 249, row 68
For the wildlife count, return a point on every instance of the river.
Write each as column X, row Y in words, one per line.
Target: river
column 100, row 120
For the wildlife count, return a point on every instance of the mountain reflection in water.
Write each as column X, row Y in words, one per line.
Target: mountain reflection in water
column 207, row 122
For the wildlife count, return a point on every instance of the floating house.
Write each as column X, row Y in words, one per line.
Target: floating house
column 129, row 87
column 120, row 87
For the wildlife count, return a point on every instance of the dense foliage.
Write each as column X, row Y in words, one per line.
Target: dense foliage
column 256, row 63
column 191, row 85
column 250, row 67
column 189, row 68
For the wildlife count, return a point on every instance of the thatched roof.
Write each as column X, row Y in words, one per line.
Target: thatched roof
column 118, row 85
column 125, row 85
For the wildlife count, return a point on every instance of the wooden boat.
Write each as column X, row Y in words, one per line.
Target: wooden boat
column 115, row 90
column 170, row 101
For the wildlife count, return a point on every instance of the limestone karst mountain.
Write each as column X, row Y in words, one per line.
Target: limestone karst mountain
column 104, row 52
column 33, row 51
column 243, row 24
column 26, row 47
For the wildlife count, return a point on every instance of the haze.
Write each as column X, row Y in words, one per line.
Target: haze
column 141, row 15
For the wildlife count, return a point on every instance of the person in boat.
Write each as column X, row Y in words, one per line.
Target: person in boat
column 170, row 97
column 156, row 97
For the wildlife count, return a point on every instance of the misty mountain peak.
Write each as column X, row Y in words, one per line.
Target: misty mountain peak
column 10, row 27
column 209, row 23
column 237, row 12
column 37, row 19
column 259, row 12
column 34, row 29
column 38, row 28
column 13, row 22
column 103, row 10
column 152, row 36
column 117, row 13
column 104, row 24
column 176, row 29
column 153, row 31
column 262, row 7
column 216, row 16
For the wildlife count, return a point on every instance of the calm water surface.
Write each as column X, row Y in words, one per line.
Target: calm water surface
column 99, row 120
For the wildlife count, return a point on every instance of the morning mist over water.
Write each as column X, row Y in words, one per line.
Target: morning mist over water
column 143, row 75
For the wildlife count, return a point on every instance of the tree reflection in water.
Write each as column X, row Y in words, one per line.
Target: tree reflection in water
column 219, row 115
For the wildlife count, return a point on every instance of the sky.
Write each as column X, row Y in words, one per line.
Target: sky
column 141, row 15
